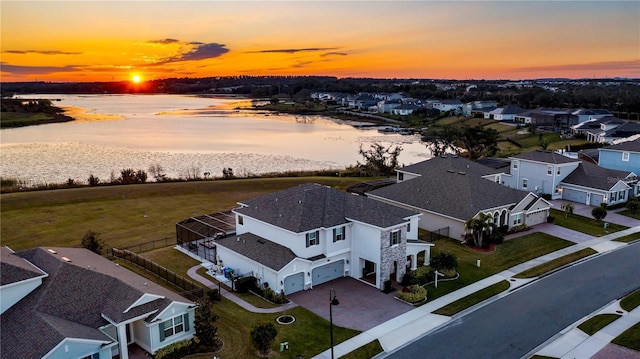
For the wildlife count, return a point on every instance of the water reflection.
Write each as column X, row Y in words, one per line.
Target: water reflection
column 182, row 132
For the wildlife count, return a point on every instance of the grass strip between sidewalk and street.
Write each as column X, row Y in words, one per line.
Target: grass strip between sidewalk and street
column 556, row 263
column 584, row 224
column 628, row 238
column 365, row 352
column 473, row 299
column 631, row 301
column 597, row 322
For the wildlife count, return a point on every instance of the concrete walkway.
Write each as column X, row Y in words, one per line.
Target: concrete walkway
column 232, row 297
column 574, row 343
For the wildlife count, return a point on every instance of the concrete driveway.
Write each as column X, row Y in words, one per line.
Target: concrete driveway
column 361, row 307
column 585, row 211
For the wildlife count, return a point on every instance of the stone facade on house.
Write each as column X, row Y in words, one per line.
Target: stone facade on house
column 390, row 254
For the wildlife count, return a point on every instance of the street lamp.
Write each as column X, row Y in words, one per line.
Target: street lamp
column 332, row 301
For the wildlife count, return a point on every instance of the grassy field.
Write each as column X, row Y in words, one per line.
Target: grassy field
column 556, row 263
column 21, row 119
column 584, row 224
column 125, row 215
column 507, row 255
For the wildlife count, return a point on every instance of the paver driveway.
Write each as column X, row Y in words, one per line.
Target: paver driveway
column 361, row 307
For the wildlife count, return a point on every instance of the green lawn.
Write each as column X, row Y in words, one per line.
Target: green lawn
column 631, row 301
column 585, row 225
column 595, row 323
column 473, row 299
column 126, row 215
column 630, row 338
column 507, row 255
column 556, row 263
column 365, row 352
column 628, row 213
column 628, row 238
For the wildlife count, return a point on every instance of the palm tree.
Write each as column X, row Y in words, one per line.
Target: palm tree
column 567, row 208
column 480, row 227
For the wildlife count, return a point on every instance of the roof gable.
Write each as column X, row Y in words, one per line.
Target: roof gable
column 593, row 176
column 14, row 269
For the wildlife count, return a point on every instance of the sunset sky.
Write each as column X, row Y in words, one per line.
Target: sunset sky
column 115, row 40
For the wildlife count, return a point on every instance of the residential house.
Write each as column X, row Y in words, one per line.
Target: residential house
column 548, row 172
column 404, row 110
column 73, row 303
column 298, row 238
column 448, row 105
column 625, row 130
column 539, row 171
column 386, row 106
column 594, row 128
column 471, row 108
column 590, row 114
column 449, row 190
column 506, row 113
column 624, row 155
column 558, row 120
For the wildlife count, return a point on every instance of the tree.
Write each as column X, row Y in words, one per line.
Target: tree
column 157, row 171
column 599, row 213
column 472, row 142
column 633, row 204
column 227, row 173
column 380, row 161
column 92, row 241
column 480, row 227
column 567, row 208
column 206, row 331
column 444, row 260
column 93, row 180
column 263, row 335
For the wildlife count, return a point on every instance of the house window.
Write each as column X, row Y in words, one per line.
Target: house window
column 549, row 170
column 174, row 326
column 515, row 164
column 408, row 227
column 625, row 156
column 400, row 176
column 91, row 356
column 621, row 195
column 558, row 171
column 394, row 238
column 614, row 196
column 240, row 220
column 313, row 238
column 339, row 234
column 525, row 183
column 517, row 219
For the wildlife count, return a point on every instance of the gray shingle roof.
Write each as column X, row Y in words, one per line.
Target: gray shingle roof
column 545, row 156
column 449, row 192
column 15, row 269
column 311, row 206
column 593, row 176
column 72, row 299
column 449, row 162
column 631, row 146
column 261, row 250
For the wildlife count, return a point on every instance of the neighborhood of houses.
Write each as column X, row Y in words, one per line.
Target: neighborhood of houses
column 598, row 125
column 298, row 238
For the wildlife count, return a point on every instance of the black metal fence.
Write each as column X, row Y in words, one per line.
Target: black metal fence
column 151, row 245
column 190, row 290
column 435, row 235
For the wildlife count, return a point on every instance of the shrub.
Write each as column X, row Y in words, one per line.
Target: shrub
column 91, row 241
column 599, row 213
column 214, row 295
column 448, row 273
column 243, row 285
column 412, row 294
column 551, row 219
column 263, row 335
column 387, row 287
column 93, row 180
column 444, row 260
column 176, row 350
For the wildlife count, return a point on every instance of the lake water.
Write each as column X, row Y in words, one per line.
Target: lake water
column 183, row 134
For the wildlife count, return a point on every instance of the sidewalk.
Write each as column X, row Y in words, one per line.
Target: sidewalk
column 574, row 343
column 418, row 322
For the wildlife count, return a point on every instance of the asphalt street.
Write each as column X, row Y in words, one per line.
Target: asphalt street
column 516, row 324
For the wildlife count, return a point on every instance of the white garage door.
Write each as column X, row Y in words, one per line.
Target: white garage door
column 327, row 272
column 294, row 283
column 596, row 199
column 574, row 195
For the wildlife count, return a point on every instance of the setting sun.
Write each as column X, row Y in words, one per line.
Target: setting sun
column 136, row 78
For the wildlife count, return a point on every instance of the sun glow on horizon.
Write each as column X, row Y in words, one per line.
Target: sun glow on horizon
column 136, row 79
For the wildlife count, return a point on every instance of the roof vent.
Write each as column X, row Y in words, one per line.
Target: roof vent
column 462, row 173
column 52, row 251
column 66, row 259
column 261, row 241
column 451, row 171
